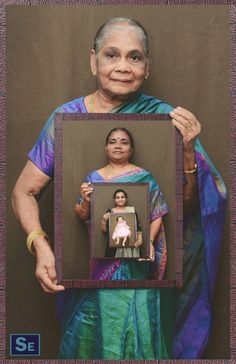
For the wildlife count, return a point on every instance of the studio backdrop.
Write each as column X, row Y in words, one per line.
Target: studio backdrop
column 47, row 55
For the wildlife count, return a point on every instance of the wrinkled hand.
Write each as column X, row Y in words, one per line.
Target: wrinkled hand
column 85, row 190
column 188, row 125
column 45, row 268
column 106, row 216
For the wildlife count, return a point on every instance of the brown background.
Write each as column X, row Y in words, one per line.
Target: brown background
column 47, row 65
column 154, row 149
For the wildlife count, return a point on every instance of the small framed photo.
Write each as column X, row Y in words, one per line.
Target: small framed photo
column 125, row 231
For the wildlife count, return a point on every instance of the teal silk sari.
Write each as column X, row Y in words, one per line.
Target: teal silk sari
column 122, row 323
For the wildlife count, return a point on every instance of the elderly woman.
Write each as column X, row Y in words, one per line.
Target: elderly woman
column 140, row 327
column 119, row 148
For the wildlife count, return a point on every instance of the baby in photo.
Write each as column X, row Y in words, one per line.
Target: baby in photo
column 122, row 231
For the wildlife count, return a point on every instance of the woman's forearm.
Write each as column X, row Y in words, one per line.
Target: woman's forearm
column 28, row 186
column 104, row 227
column 155, row 227
column 82, row 210
column 26, row 209
column 24, row 202
column 190, row 190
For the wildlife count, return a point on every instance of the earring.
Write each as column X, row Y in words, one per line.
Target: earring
column 146, row 77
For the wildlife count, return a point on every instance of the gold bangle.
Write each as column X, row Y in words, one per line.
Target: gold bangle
column 33, row 235
column 104, row 222
column 191, row 171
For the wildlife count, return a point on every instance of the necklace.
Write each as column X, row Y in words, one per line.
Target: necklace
column 91, row 106
column 111, row 171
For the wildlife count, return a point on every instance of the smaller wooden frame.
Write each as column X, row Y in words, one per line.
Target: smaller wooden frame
column 102, row 245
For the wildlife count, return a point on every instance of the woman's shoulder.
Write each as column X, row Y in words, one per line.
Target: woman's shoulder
column 76, row 105
column 140, row 169
column 101, row 172
column 158, row 106
column 94, row 176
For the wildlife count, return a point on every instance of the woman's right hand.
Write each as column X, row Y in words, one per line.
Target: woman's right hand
column 106, row 216
column 45, row 266
column 85, row 190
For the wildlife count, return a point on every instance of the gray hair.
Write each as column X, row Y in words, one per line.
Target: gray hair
column 116, row 23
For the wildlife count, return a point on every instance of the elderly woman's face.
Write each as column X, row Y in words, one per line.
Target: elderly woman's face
column 120, row 64
column 118, row 148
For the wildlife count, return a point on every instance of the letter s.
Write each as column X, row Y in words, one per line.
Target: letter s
column 20, row 341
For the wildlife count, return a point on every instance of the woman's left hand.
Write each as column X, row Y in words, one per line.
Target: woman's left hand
column 188, row 125
column 152, row 252
column 138, row 243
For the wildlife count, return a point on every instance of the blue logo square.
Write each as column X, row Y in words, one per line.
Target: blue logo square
column 24, row 344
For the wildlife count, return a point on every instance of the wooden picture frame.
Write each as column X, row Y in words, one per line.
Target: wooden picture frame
column 66, row 135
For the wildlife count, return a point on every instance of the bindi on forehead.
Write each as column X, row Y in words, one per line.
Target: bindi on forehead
column 118, row 138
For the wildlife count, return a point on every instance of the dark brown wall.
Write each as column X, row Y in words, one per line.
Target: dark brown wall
column 47, row 65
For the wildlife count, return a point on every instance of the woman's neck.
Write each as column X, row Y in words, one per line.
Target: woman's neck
column 106, row 102
column 118, row 165
column 100, row 102
column 119, row 208
column 114, row 169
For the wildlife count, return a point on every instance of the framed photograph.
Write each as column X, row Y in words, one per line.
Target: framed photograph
column 85, row 254
column 125, row 233
column 44, row 62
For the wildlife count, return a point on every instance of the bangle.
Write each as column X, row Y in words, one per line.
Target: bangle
column 33, row 235
column 82, row 206
column 151, row 241
column 104, row 222
column 191, row 171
